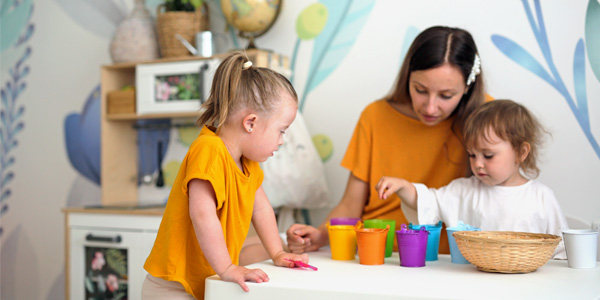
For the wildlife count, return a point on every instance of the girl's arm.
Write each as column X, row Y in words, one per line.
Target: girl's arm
column 265, row 224
column 302, row 238
column 404, row 189
column 203, row 207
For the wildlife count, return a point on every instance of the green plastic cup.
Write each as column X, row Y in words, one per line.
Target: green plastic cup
column 379, row 223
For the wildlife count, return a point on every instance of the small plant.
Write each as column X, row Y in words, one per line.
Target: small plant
column 183, row 5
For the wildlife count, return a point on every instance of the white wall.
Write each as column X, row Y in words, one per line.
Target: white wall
column 64, row 69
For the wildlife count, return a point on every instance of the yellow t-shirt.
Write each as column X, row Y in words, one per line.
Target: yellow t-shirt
column 176, row 254
column 387, row 143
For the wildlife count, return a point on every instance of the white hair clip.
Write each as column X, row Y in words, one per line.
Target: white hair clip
column 475, row 70
column 247, row 65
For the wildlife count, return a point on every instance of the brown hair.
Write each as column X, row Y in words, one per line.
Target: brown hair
column 235, row 87
column 511, row 122
column 432, row 48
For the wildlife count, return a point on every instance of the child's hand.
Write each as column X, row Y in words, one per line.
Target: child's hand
column 280, row 259
column 240, row 275
column 387, row 186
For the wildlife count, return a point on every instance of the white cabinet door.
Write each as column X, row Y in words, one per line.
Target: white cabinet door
column 108, row 263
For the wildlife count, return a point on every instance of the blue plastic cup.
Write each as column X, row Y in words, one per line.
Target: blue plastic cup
column 455, row 255
column 433, row 241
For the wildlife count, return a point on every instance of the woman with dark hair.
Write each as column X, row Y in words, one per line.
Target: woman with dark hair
column 413, row 133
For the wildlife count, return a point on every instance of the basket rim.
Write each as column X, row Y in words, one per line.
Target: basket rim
column 498, row 236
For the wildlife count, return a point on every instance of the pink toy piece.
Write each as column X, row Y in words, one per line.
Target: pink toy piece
column 299, row 263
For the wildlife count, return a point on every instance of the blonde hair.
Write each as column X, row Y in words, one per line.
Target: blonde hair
column 511, row 122
column 236, row 86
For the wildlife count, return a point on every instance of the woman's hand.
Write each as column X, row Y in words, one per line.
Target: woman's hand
column 305, row 238
column 240, row 275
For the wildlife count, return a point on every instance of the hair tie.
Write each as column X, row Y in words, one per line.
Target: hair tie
column 475, row 70
column 247, row 65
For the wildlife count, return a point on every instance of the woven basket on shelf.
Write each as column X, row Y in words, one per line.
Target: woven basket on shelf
column 506, row 251
column 186, row 24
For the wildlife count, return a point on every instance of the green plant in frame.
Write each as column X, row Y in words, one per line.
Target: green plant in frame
column 182, row 5
column 187, row 88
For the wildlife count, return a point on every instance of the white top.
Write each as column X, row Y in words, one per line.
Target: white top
column 530, row 207
column 441, row 279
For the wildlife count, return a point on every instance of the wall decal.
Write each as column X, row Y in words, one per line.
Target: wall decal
column 345, row 20
column 14, row 41
column 518, row 54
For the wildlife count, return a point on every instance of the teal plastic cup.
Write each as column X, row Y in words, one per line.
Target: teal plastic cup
column 433, row 241
column 455, row 255
column 379, row 223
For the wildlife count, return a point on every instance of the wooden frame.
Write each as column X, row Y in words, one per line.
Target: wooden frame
column 173, row 87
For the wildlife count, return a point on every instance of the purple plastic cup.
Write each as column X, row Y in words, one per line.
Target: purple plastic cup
column 343, row 221
column 412, row 246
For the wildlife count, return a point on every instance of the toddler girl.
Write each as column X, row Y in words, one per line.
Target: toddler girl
column 502, row 139
column 217, row 192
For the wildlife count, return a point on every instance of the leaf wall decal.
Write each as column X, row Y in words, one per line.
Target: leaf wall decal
column 521, row 57
column 592, row 36
column 344, row 23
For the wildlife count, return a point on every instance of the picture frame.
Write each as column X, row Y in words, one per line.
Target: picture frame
column 173, row 87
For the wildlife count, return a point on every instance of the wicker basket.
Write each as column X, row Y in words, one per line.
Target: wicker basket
column 506, row 251
column 186, row 24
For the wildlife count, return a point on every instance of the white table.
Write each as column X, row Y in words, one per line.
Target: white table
column 440, row 279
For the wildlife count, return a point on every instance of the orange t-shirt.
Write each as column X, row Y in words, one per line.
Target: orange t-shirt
column 387, row 143
column 176, row 254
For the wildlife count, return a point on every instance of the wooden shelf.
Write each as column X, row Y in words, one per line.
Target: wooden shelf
column 118, row 150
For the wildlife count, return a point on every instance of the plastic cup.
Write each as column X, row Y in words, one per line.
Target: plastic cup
column 371, row 244
column 581, row 246
column 412, row 246
column 596, row 226
column 342, row 240
column 455, row 254
column 433, row 243
column 391, row 224
column 343, row 221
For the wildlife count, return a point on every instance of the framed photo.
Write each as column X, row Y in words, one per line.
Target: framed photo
column 173, row 86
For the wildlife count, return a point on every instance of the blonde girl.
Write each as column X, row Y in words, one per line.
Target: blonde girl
column 217, row 192
column 502, row 138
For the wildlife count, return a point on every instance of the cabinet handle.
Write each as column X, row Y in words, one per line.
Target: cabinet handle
column 107, row 239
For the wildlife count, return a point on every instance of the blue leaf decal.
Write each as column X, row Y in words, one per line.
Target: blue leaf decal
column 592, row 36
column 5, row 195
column 6, row 178
column 12, row 23
column 98, row 17
column 75, row 149
column 345, row 21
column 521, row 57
column 82, row 138
column 409, row 37
column 580, row 87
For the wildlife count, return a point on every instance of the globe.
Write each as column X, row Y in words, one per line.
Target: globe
column 252, row 18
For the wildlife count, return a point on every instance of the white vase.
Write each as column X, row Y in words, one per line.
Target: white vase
column 135, row 37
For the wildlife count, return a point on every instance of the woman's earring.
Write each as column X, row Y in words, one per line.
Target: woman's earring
column 249, row 129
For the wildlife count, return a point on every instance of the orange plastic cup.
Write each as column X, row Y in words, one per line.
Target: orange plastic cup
column 371, row 244
column 342, row 240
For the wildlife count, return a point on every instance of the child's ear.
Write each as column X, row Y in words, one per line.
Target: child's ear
column 525, row 148
column 248, row 122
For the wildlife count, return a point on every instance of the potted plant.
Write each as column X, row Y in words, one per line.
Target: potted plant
column 183, row 17
column 183, row 5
